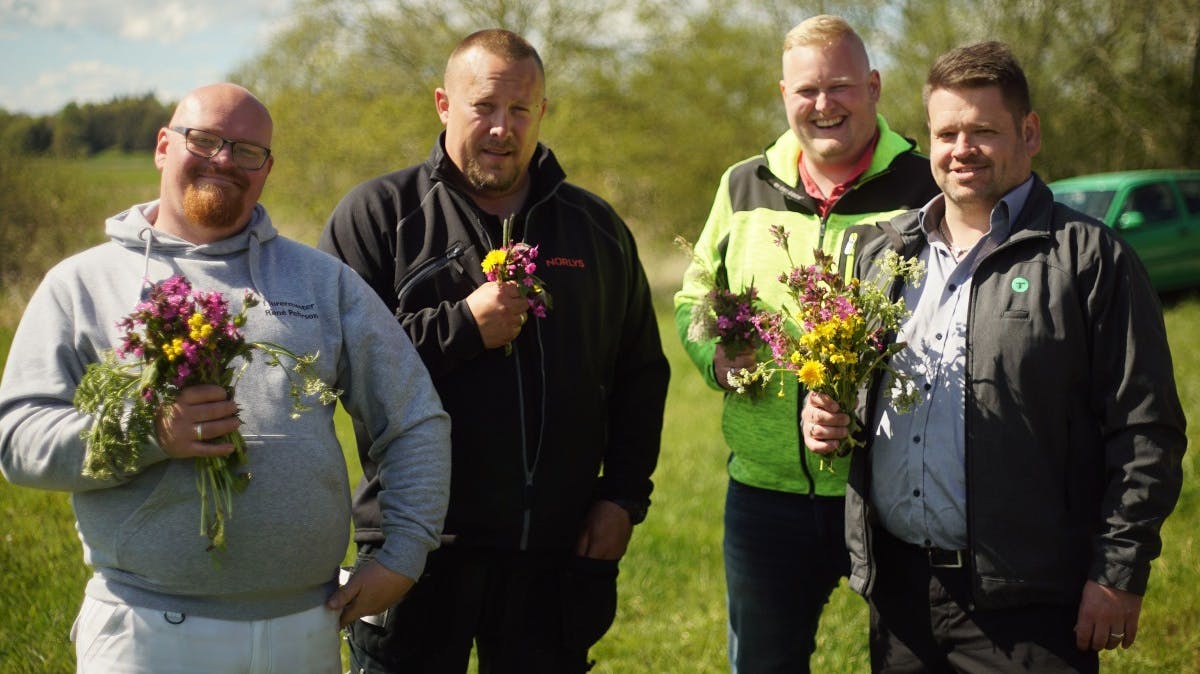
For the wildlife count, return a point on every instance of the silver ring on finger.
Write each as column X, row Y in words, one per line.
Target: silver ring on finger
column 200, row 432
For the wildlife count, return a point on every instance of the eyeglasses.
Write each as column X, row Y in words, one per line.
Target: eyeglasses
column 206, row 144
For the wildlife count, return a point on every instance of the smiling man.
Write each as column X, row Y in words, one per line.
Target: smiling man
column 835, row 170
column 1008, row 521
column 556, row 419
column 159, row 600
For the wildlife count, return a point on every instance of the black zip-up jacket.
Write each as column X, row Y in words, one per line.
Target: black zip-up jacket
column 583, row 389
column 1074, row 431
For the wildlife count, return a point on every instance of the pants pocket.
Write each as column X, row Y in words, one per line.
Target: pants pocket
column 589, row 597
column 98, row 625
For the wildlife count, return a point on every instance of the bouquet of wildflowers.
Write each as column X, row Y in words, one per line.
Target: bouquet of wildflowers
column 516, row 262
column 179, row 337
column 721, row 314
column 836, row 336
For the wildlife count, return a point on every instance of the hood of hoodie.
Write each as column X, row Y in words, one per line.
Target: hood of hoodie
column 134, row 229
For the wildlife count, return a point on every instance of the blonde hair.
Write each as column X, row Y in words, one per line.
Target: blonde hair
column 821, row 30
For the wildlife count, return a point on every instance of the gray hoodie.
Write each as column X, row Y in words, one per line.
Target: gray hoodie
column 290, row 528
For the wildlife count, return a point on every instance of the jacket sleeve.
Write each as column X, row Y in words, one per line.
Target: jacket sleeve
column 697, row 280
column 40, row 428
column 1141, row 418
column 639, row 391
column 363, row 232
column 387, row 389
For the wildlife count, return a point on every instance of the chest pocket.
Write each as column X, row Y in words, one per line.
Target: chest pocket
column 424, row 272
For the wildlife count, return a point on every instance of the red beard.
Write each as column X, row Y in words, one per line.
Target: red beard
column 212, row 206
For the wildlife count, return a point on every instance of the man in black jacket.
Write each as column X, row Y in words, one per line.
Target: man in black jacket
column 1009, row 520
column 556, row 420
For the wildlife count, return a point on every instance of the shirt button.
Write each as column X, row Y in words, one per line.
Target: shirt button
column 938, row 336
column 916, row 492
column 916, row 438
column 928, row 386
column 951, row 287
column 928, row 543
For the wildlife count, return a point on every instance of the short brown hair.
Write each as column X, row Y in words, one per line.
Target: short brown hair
column 503, row 43
column 983, row 64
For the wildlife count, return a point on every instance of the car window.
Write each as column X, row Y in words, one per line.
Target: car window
column 1094, row 204
column 1190, row 190
column 1153, row 201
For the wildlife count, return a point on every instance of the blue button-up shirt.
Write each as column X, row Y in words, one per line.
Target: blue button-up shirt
column 918, row 476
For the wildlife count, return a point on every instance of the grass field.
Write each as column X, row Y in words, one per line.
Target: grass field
column 672, row 613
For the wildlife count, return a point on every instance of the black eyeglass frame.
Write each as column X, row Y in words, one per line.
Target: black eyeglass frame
column 185, row 131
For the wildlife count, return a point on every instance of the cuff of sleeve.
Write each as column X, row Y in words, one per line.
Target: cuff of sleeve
column 1122, row 577
column 403, row 555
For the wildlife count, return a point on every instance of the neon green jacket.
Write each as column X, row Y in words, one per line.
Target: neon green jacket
column 763, row 431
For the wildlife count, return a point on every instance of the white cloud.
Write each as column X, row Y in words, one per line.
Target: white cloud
column 140, row 20
column 85, row 80
column 57, row 51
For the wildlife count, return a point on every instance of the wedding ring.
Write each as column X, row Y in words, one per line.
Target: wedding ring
column 1115, row 635
column 200, row 432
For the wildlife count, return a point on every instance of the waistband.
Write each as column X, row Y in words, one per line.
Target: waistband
column 937, row 558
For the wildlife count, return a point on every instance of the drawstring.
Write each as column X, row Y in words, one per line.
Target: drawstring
column 255, row 260
column 146, row 233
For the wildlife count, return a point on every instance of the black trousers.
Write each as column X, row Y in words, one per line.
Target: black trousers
column 923, row 620
column 526, row 612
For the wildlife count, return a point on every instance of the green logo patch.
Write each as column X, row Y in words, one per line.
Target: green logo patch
column 1020, row 284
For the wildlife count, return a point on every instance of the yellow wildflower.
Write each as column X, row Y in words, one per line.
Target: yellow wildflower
column 200, row 328
column 812, row 373
column 494, row 260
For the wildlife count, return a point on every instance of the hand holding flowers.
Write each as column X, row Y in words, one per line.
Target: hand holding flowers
column 177, row 338
column 516, row 262
column 837, row 334
column 723, row 315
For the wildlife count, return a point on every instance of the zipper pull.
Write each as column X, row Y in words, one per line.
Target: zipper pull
column 848, row 255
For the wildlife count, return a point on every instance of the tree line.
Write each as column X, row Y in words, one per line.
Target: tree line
column 123, row 124
column 650, row 100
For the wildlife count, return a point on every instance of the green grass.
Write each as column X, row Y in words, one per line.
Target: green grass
column 672, row 607
column 671, row 615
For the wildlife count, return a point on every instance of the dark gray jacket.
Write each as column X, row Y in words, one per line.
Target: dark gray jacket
column 582, row 391
column 1074, row 431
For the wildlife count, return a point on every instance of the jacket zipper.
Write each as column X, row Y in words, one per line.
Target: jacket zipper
column 530, row 467
column 789, row 193
column 427, row 269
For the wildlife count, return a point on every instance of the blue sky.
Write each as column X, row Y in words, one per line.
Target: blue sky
column 56, row 51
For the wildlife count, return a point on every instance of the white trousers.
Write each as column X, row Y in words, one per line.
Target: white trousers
column 123, row 639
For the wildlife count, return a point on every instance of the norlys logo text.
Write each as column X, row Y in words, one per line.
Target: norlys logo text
column 575, row 262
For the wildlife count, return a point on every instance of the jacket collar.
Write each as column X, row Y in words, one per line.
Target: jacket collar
column 783, row 156
column 1033, row 221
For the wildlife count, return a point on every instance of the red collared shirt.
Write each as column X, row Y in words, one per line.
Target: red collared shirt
column 825, row 203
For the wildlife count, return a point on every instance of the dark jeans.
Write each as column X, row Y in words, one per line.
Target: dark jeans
column 527, row 613
column 784, row 555
column 923, row 620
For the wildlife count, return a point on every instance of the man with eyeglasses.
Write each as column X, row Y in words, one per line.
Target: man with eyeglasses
column 556, row 419
column 159, row 599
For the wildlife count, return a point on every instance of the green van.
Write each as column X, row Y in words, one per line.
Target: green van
column 1156, row 211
